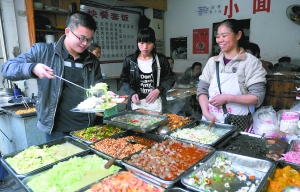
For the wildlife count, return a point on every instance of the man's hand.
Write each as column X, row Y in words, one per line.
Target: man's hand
column 152, row 96
column 43, row 71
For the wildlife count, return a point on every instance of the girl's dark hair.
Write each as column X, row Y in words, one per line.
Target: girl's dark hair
column 195, row 64
column 235, row 26
column 93, row 46
column 146, row 35
column 81, row 18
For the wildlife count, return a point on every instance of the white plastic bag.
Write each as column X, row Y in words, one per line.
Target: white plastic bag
column 265, row 122
column 288, row 121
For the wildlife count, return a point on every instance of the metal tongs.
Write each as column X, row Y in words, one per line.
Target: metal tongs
column 91, row 91
column 25, row 103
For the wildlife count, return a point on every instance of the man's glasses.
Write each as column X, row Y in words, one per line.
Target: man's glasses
column 82, row 39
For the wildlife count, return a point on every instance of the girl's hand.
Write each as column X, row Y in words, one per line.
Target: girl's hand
column 135, row 99
column 152, row 96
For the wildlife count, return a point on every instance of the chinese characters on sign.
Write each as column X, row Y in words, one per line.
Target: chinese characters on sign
column 231, row 8
column 201, row 41
column 209, row 10
column 116, row 32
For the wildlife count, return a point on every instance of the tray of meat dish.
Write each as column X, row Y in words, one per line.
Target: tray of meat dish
column 197, row 132
column 139, row 122
column 37, row 158
column 19, row 110
column 95, row 133
column 225, row 171
column 109, row 147
column 166, row 162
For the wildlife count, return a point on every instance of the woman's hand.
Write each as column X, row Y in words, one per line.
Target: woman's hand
column 219, row 100
column 135, row 99
column 152, row 96
column 210, row 117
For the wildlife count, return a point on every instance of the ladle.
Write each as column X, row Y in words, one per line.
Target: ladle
column 211, row 124
column 163, row 130
column 112, row 160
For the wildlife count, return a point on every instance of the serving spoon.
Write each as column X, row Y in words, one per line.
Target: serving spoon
column 112, row 160
column 211, row 124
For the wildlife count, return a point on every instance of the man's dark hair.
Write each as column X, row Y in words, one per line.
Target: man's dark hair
column 195, row 64
column 284, row 59
column 93, row 46
column 254, row 48
column 81, row 18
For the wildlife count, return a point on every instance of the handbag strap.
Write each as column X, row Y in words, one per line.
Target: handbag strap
column 218, row 80
column 158, row 70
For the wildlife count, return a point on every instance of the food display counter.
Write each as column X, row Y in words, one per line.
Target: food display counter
column 160, row 162
column 18, row 132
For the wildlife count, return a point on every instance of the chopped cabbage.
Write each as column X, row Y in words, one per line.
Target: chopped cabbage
column 71, row 175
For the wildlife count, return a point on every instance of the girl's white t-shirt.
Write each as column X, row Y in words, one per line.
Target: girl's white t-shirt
column 145, row 66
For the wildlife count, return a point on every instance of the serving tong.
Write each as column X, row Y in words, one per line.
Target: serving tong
column 25, row 103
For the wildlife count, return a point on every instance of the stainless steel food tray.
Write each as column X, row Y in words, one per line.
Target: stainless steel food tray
column 89, row 186
column 159, row 181
column 279, row 164
column 65, row 139
column 28, row 178
column 177, row 189
column 14, row 108
column 223, row 130
column 290, row 148
column 222, row 146
column 259, row 167
column 84, row 140
column 109, row 121
column 125, row 134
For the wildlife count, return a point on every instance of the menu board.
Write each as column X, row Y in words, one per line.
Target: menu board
column 116, row 32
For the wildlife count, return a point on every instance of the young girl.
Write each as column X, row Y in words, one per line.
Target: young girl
column 139, row 72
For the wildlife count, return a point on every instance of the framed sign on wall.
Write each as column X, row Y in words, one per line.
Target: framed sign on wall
column 116, row 31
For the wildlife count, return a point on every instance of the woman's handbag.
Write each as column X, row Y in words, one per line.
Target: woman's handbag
column 157, row 105
column 242, row 122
